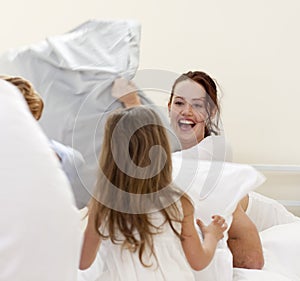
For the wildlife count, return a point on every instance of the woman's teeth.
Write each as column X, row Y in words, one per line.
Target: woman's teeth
column 186, row 123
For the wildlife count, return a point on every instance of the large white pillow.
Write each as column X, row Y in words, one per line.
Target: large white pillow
column 215, row 187
column 40, row 235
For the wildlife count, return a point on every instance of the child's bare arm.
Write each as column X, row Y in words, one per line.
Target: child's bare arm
column 199, row 255
column 91, row 244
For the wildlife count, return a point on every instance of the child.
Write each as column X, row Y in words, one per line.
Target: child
column 69, row 158
column 144, row 223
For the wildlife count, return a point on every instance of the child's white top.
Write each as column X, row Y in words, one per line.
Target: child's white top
column 171, row 262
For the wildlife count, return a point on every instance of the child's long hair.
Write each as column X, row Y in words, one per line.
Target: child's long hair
column 135, row 179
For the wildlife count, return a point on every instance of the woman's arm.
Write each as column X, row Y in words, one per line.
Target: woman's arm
column 199, row 255
column 91, row 244
column 244, row 242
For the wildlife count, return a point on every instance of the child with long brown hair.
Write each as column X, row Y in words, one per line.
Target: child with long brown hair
column 144, row 223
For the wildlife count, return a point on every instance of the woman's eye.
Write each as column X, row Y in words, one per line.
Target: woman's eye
column 179, row 103
column 198, row 105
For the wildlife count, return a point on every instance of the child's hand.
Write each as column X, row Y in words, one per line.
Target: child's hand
column 122, row 87
column 126, row 92
column 215, row 228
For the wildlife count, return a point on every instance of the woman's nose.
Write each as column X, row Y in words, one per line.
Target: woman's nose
column 187, row 109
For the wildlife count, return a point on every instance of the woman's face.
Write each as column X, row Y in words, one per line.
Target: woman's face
column 188, row 112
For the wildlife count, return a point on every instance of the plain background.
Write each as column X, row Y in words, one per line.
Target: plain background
column 250, row 47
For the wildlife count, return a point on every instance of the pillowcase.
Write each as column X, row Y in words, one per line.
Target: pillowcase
column 215, row 188
column 40, row 225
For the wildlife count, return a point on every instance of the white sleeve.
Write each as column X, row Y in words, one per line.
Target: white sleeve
column 71, row 159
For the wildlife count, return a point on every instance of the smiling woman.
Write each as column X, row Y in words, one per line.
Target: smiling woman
column 193, row 108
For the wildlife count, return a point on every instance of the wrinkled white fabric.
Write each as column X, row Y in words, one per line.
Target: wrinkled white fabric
column 40, row 235
column 266, row 212
column 74, row 73
column 215, row 188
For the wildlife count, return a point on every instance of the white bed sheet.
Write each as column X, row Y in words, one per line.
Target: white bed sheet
column 281, row 246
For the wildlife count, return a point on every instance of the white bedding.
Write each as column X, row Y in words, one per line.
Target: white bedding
column 266, row 212
column 215, row 187
column 281, row 246
column 74, row 72
column 40, row 232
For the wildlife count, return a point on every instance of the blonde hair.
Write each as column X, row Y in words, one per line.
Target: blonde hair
column 135, row 131
column 33, row 99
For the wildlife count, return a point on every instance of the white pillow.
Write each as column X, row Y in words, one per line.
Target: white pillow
column 215, row 187
column 281, row 246
column 266, row 212
column 40, row 235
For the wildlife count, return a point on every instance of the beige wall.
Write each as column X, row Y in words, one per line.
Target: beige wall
column 250, row 47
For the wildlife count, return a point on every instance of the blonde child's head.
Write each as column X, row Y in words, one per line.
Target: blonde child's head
column 33, row 99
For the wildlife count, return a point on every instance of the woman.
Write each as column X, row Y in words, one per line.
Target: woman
column 194, row 116
column 193, row 108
